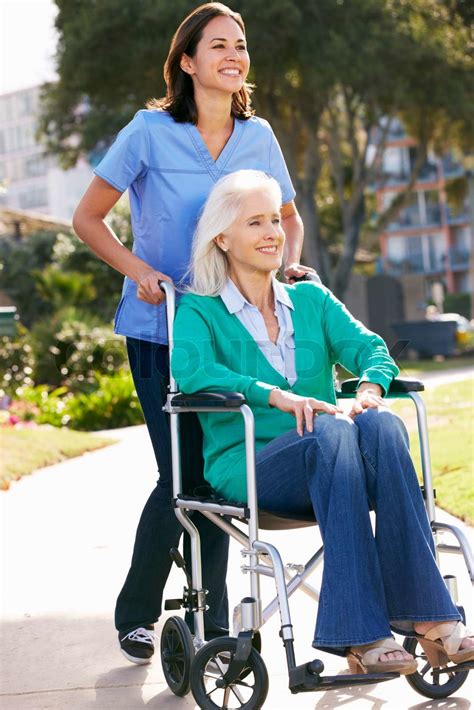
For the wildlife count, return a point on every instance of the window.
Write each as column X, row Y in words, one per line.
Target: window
column 35, row 166
column 34, row 197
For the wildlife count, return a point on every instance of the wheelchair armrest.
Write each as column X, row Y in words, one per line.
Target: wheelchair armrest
column 226, row 400
column 400, row 385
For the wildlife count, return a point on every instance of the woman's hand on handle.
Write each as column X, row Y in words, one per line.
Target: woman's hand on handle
column 302, row 408
column 149, row 289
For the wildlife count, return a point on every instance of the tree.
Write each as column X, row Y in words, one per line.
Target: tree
column 330, row 76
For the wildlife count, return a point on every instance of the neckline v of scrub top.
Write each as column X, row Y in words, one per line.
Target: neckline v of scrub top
column 215, row 167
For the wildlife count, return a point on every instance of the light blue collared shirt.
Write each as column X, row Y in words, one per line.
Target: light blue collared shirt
column 280, row 355
column 169, row 173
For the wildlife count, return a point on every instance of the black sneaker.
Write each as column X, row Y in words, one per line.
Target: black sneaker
column 138, row 645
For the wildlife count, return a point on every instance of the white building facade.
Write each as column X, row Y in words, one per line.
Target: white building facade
column 29, row 179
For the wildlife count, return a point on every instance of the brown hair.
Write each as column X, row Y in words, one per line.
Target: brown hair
column 179, row 99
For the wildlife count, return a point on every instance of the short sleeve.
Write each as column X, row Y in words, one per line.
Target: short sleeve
column 278, row 170
column 127, row 158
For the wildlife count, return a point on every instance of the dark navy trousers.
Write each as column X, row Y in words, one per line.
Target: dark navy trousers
column 140, row 601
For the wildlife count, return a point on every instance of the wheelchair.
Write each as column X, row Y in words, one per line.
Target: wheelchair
column 229, row 672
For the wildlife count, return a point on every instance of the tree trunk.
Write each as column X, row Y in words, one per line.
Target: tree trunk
column 340, row 277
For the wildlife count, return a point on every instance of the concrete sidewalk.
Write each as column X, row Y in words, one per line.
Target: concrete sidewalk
column 67, row 539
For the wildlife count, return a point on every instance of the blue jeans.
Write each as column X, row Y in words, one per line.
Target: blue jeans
column 140, row 600
column 337, row 473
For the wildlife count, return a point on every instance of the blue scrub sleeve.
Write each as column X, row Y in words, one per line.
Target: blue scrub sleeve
column 128, row 157
column 279, row 170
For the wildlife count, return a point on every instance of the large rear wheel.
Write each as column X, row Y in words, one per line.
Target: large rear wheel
column 432, row 682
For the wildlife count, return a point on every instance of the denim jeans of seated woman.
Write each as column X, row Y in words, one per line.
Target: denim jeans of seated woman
column 140, row 601
column 370, row 582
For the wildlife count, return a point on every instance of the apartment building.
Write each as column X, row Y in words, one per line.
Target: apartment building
column 429, row 236
column 29, row 179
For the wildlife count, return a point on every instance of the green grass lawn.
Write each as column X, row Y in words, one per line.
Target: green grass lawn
column 450, row 411
column 415, row 368
column 24, row 450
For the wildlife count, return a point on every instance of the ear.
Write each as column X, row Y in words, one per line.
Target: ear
column 186, row 64
column 221, row 242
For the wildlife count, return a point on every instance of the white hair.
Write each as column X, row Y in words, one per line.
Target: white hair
column 209, row 265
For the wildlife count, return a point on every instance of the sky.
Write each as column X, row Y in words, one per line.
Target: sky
column 27, row 43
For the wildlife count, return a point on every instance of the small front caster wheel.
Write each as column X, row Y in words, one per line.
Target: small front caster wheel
column 177, row 653
column 247, row 692
column 432, row 682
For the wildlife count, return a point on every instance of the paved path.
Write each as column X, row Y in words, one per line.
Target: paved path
column 67, row 538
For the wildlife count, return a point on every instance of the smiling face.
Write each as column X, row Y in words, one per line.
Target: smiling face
column 255, row 241
column 221, row 61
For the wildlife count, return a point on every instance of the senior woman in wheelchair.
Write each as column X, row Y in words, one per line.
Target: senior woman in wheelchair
column 240, row 329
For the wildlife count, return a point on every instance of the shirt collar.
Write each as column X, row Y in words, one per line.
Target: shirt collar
column 234, row 301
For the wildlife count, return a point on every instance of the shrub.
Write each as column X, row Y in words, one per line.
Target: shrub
column 48, row 405
column 64, row 288
column 18, row 259
column 113, row 404
column 72, row 347
column 458, row 303
column 17, row 361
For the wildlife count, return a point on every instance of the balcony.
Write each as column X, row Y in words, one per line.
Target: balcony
column 409, row 218
column 459, row 258
column 414, row 264
column 460, row 216
column 451, row 168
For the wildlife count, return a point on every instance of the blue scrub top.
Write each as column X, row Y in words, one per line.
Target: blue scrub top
column 169, row 173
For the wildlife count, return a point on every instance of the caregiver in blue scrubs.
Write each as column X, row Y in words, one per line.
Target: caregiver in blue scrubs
column 169, row 157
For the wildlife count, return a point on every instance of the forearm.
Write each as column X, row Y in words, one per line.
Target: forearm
column 101, row 239
column 294, row 233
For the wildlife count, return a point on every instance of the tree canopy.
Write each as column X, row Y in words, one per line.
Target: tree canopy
column 329, row 74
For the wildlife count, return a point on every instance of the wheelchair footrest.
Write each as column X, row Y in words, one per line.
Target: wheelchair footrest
column 466, row 666
column 304, row 680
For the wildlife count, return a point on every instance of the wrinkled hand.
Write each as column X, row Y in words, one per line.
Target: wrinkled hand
column 302, row 408
column 366, row 399
column 149, row 289
column 294, row 270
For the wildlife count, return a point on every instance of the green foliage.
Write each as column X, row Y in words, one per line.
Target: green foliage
column 48, row 405
column 18, row 260
column 113, row 404
column 17, row 361
column 458, row 303
column 64, row 288
column 71, row 347
column 45, row 272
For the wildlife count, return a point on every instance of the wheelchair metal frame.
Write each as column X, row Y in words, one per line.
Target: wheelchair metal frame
column 263, row 558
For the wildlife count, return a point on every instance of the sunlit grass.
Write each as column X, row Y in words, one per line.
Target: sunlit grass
column 22, row 451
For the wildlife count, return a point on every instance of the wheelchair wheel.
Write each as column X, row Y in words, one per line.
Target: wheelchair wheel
column 177, row 653
column 432, row 682
column 210, row 664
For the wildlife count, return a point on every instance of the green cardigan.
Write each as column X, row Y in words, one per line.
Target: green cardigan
column 214, row 351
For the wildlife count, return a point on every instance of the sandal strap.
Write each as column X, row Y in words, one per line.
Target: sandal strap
column 370, row 653
column 451, row 634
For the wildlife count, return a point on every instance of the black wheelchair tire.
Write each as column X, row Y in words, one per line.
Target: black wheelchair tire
column 433, row 690
column 255, row 665
column 177, row 654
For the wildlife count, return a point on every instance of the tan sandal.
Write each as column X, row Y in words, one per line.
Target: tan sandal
column 367, row 658
column 442, row 643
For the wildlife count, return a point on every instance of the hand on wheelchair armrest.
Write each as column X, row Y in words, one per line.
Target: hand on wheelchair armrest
column 400, row 385
column 224, row 400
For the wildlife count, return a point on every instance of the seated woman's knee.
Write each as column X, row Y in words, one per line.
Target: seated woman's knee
column 334, row 427
column 385, row 421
